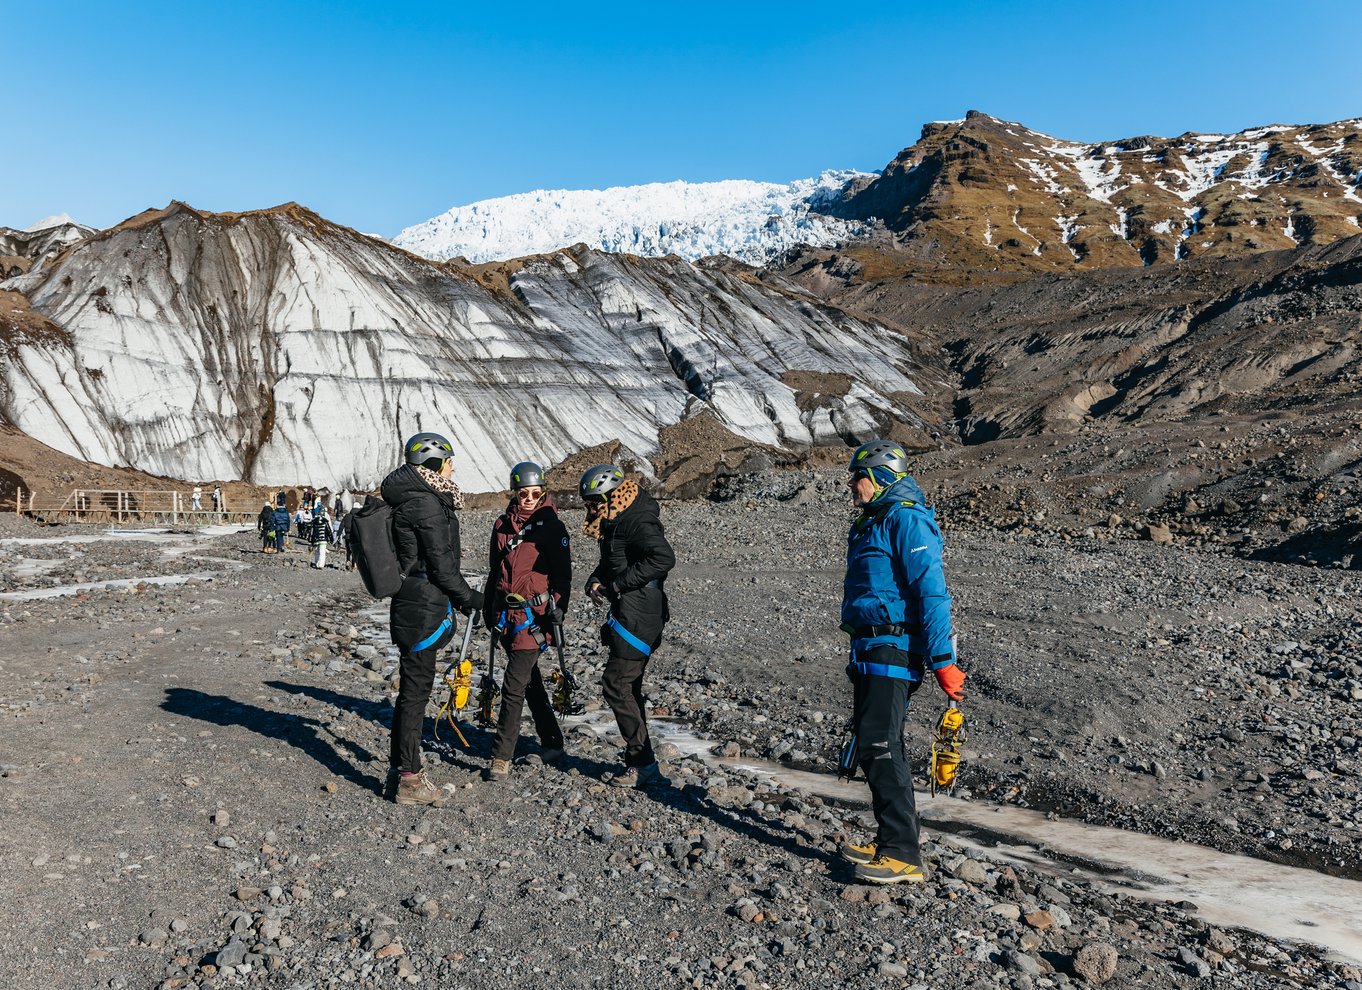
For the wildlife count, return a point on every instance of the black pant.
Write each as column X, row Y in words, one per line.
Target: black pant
column 520, row 682
column 622, row 685
column 416, row 677
column 878, row 715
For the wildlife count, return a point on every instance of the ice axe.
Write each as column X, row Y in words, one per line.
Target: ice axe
column 563, row 680
column 488, row 692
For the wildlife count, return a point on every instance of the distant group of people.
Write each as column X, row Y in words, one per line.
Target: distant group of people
column 196, row 499
column 312, row 523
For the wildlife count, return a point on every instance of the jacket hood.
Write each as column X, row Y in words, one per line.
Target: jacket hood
column 903, row 490
column 643, row 505
column 403, row 485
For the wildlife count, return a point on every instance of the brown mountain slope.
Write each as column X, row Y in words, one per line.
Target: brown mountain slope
column 989, row 194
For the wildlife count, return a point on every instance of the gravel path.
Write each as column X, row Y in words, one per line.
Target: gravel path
column 189, row 776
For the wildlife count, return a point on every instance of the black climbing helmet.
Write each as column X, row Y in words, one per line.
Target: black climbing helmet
column 883, row 461
column 527, row 474
column 427, row 446
column 600, row 480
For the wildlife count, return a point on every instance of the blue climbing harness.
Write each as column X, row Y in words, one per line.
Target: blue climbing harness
column 627, row 636
column 439, row 630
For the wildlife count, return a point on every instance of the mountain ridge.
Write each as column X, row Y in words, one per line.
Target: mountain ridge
column 273, row 345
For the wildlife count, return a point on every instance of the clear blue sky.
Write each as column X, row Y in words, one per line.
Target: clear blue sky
column 380, row 115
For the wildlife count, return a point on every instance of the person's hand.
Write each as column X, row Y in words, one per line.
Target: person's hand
column 596, row 591
column 553, row 615
column 475, row 603
column 952, row 680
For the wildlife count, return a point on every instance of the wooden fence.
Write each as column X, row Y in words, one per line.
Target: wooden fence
column 116, row 506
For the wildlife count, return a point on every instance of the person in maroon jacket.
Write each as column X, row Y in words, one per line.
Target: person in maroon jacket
column 528, row 583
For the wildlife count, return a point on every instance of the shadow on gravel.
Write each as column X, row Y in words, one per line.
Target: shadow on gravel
column 298, row 731
column 378, row 712
column 381, row 714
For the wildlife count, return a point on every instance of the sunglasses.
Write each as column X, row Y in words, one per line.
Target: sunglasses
column 529, row 494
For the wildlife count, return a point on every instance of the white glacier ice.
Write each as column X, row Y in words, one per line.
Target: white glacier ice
column 751, row 221
column 278, row 348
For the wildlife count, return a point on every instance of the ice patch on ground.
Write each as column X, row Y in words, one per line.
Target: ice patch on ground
column 1233, row 891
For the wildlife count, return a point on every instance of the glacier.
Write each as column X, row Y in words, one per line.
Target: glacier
column 753, row 222
column 279, row 348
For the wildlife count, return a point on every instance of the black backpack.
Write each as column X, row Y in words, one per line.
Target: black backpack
column 371, row 545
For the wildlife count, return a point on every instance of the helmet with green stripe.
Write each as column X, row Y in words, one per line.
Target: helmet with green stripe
column 882, row 461
column 527, row 474
column 427, row 446
column 600, row 481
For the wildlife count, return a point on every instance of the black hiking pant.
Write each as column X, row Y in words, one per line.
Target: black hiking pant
column 880, row 703
column 416, row 678
column 622, row 685
column 521, row 682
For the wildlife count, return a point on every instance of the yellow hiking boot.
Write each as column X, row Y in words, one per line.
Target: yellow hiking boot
column 857, row 854
column 886, row 869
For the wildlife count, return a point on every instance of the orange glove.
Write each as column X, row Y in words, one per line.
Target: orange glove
column 952, row 681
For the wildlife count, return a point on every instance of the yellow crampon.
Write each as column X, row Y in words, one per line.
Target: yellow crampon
column 946, row 750
column 563, row 686
column 459, row 679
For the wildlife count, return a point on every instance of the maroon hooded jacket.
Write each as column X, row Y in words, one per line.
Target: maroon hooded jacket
column 539, row 563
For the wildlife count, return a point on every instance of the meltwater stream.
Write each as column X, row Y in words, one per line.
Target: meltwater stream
column 1287, row 903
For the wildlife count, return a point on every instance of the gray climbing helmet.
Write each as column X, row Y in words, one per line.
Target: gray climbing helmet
column 889, row 457
column 600, row 480
column 527, row 474
column 423, row 446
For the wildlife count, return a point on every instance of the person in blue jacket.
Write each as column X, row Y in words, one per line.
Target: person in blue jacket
column 897, row 611
column 281, row 522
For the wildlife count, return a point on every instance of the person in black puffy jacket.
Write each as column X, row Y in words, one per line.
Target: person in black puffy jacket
column 264, row 525
column 631, row 576
column 424, row 499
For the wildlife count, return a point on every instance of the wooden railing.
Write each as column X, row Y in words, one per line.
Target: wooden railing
column 118, row 506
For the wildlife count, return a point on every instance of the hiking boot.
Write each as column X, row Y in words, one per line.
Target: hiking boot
column 857, row 854
column 499, row 770
column 648, row 776
column 552, row 755
column 390, row 784
column 887, row 869
column 416, row 788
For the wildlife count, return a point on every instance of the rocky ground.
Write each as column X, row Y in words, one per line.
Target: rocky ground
column 190, row 773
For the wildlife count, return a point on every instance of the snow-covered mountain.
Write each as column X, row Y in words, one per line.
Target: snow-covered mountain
column 753, row 222
column 276, row 347
column 28, row 249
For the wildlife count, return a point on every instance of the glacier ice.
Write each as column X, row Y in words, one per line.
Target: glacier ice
column 279, row 348
column 753, row 222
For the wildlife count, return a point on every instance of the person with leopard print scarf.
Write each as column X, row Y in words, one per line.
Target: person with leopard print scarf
column 631, row 576
column 425, row 528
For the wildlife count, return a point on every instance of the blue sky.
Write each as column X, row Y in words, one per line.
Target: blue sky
column 379, row 115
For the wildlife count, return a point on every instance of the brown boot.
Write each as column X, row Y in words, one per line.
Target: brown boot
column 416, row 788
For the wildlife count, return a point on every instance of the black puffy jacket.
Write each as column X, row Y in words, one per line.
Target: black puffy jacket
column 426, row 535
column 635, row 561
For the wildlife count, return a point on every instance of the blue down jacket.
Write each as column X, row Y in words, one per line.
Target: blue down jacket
column 894, row 577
